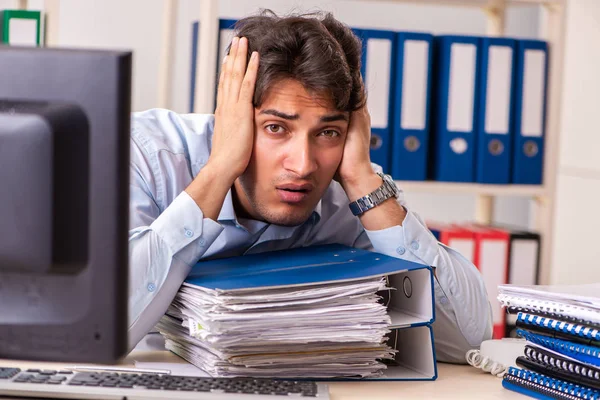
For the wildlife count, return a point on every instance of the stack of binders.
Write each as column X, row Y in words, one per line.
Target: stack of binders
column 562, row 327
column 448, row 108
column 489, row 112
column 330, row 312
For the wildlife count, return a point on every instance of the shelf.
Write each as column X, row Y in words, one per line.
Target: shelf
column 474, row 3
column 471, row 188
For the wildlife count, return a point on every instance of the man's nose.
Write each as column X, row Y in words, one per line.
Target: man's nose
column 301, row 158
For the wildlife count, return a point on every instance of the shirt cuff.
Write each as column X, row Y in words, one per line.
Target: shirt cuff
column 183, row 223
column 412, row 241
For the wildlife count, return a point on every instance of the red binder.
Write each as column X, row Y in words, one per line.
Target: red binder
column 456, row 237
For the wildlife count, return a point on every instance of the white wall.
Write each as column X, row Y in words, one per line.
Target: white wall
column 136, row 25
column 576, row 250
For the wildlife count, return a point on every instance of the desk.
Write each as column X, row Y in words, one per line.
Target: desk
column 453, row 382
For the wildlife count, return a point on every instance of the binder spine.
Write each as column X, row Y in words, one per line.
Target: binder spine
column 456, row 108
column 552, row 388
column 560, row 326
column 564, row 365
column 410, row 119
column 528, row 147
column 379, row 89
column 494, row 132
column 580, row 352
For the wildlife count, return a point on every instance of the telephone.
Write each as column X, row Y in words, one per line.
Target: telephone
column 496, row 356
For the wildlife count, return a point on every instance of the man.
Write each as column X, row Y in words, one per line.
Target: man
column 277, row 167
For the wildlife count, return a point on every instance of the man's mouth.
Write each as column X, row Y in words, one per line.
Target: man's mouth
column 292, row 193
column 295, row 190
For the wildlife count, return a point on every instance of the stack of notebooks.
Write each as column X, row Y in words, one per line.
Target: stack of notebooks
column 562, row 327
column 320, row 312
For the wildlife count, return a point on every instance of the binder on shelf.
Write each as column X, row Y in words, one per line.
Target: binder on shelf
column 455, row 108
column 225, row 36
column 455, row 237
column 377, row 69
column 410, row 126
column 494, row 129
column 491, row 258
column 523, row 265
column 530, row 111
column 524, row 257
column 20, row 28
column 410, row 307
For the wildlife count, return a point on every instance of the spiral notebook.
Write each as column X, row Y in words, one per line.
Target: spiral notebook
column 580, row 333
column 561, row 317
column 558, row 366
column 579, row 352
column 578, row 304
column 540, row 386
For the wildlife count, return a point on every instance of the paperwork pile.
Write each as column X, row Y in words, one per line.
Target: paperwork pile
column 320, row 330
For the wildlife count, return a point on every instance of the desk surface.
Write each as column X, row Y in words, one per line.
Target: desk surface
column 454, row 381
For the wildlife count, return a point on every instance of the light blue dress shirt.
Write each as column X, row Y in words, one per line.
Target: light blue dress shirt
column 169, row 234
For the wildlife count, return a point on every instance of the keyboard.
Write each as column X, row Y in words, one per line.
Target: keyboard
column 57, row 384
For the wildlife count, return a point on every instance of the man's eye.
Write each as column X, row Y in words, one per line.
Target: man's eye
column 273, row 128
column 330, row 133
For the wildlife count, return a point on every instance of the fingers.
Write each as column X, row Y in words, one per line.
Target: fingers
column 228, row 67
column 237, row 80
column 248, row 84
column 238, row 69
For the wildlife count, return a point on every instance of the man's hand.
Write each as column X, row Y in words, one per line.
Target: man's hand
column 358, row 178
column 355, row 169
column 233, row 135
column 234, row 117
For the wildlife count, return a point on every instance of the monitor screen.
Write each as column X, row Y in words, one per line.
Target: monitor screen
column 64, row 193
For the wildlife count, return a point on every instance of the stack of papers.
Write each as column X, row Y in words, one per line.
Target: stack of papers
column 324, row 330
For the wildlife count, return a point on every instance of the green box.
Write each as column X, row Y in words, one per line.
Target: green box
column 8, row 17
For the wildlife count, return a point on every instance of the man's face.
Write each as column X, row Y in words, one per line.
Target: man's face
column 298, row 145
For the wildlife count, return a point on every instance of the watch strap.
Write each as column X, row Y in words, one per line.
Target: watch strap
column 387, row 190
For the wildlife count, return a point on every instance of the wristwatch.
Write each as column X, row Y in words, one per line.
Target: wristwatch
column 385, row 191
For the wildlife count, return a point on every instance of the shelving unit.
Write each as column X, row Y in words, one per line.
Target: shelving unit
column 472, row 188
column 495, row 11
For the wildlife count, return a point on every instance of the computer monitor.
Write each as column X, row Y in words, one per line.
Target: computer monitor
column 64, row 188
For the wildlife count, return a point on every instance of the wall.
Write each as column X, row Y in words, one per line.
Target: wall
column 576, row 251
column 136, row 24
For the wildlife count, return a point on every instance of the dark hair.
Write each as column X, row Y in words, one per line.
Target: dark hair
column 314, row 49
